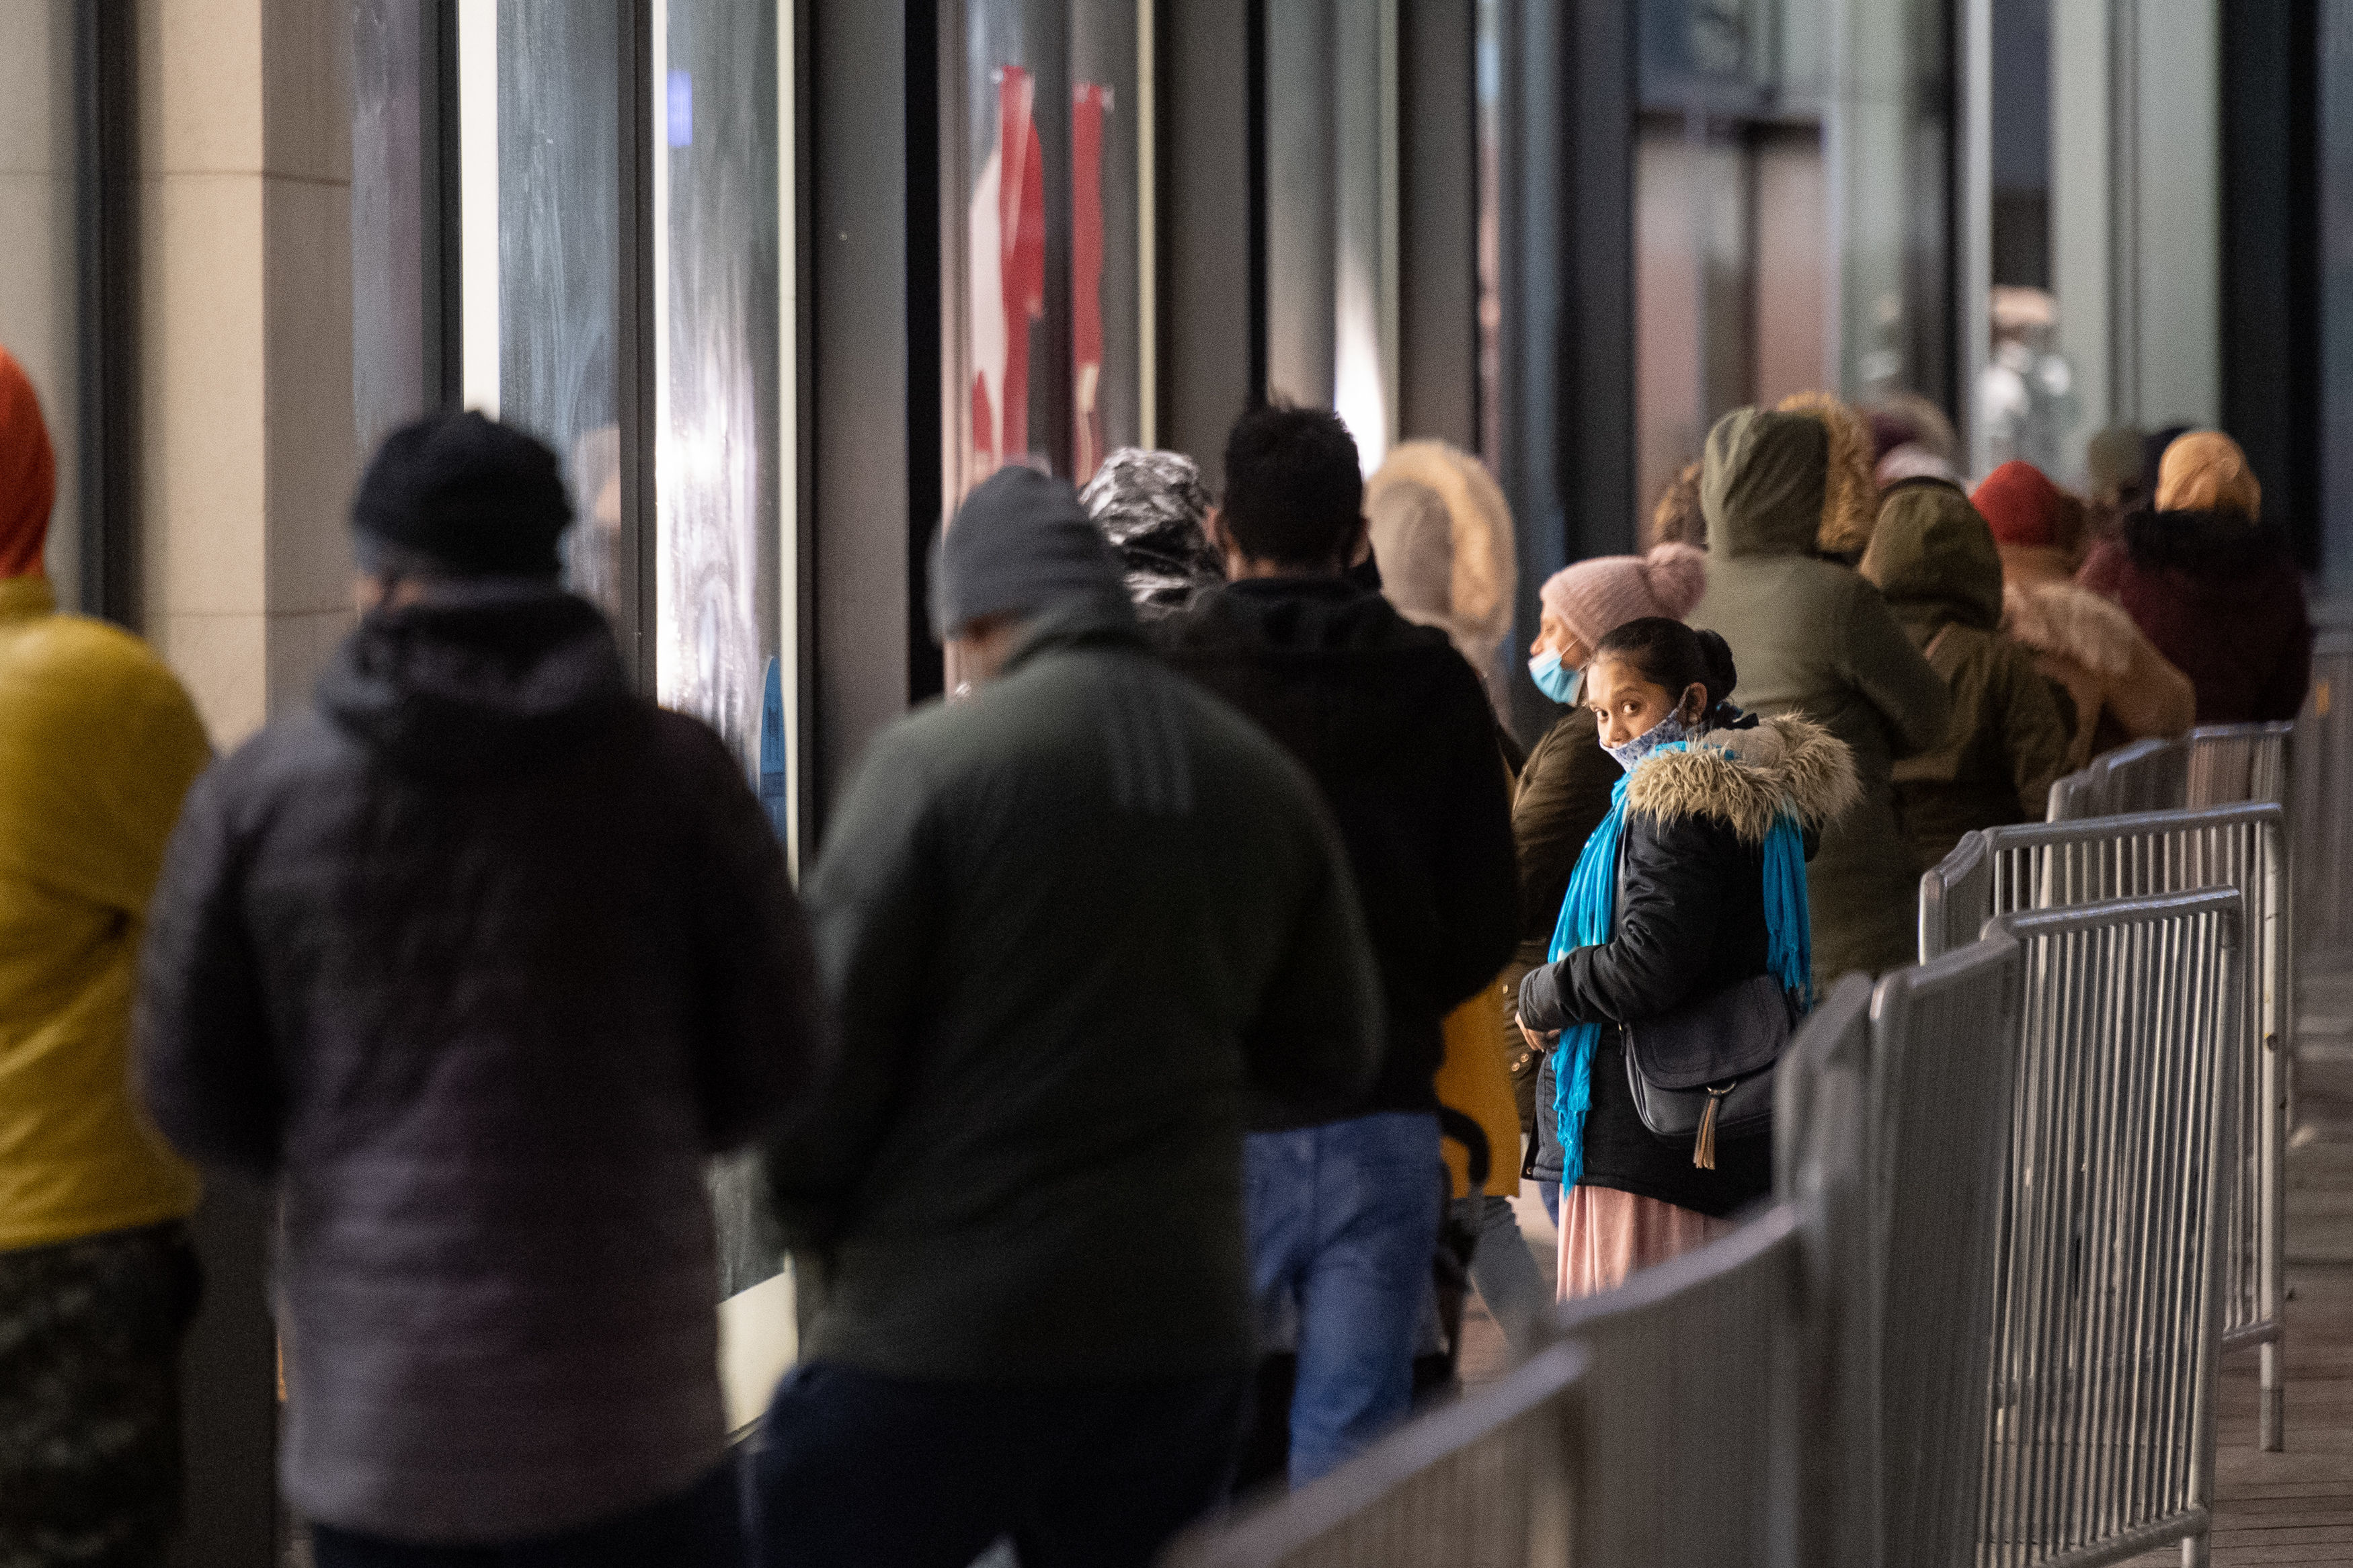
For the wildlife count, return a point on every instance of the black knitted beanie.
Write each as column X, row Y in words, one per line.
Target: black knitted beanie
column 475, row 496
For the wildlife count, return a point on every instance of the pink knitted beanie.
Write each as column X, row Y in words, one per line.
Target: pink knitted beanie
column 1596, row 597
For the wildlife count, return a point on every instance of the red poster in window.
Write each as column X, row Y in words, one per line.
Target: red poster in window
column 1007, row 239
column 1088, row 103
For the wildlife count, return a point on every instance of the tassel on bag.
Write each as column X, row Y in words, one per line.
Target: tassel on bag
column 1704, row 1148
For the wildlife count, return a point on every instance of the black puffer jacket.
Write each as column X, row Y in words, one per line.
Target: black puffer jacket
column 1395, row 728
column 1689, row 922
column 480, row 960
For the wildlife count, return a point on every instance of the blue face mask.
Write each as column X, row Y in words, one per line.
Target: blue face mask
column 1559, row 684
column 1666, row 732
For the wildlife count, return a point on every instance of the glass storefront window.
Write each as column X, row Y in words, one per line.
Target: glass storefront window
column 1042, row 248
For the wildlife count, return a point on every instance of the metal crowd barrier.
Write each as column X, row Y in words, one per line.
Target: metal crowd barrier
column 1945, row 1057
column 2220, row 765
column 1700, row 1414
column 2053, row 865
column 2324, row 824
column 2109, row 1307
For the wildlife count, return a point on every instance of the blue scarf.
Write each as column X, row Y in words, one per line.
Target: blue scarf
column 1589, row 913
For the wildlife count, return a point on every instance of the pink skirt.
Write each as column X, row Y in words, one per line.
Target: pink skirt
column 1605, row 1235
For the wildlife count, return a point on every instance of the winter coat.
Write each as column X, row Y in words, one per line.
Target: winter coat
column 1812, row 637
column 1476, row 1090
column 2122, row 688
column 1564, row 794
column 1084, row 927
column 1689, row 924
column 480, row 961
column 1442, row 534
column 98, row 745
column 1392, row 724
column 2222, row 599
column 1934, row 559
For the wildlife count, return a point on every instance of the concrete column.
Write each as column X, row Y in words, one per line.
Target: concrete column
column 245, row 203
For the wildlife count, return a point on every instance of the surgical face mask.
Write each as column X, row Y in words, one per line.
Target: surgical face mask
column 1555, row 680
column 1666, row 732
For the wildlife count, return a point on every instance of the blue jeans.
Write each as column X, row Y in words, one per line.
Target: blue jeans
column 703, row 1527
column 1342, row 1223
column 857, row 1469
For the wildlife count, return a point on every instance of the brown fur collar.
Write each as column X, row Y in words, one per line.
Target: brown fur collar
column 1747, row 778
column 2071, row 623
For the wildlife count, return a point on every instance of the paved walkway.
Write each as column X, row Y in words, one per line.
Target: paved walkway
column 2297, row 1506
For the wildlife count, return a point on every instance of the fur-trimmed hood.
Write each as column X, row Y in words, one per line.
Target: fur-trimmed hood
column 1749, row 778
column 2071, row 623
column 1442, row 535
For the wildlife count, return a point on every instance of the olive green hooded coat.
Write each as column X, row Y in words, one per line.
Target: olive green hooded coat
column 1935, row 559
column 1810, row 637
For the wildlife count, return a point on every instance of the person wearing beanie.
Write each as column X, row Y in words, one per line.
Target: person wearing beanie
column 1441, row 533
column 1933, row 558
column 1395, row 728
column 1153, row 508
column 476, row 965
column 2212, row 585
column 1565, row 788
column 1813, row 638
column 98, row 745
column 2120, row 688
column 1083, row 925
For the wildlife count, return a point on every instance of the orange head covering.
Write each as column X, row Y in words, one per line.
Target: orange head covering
column 2205, row 472
column 29, row 473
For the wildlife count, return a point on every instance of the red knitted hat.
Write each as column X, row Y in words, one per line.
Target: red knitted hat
column 28, row 472
column 2025, row 509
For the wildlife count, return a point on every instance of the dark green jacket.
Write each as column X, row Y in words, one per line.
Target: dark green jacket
column 1071, row 927
column 1811, row 636
column 1935, row 559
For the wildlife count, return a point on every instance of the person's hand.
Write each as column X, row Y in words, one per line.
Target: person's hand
column 1537, row 1042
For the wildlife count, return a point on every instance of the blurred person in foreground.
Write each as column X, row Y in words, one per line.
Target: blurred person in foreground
column 2121, row 687
column 1813, row 638
column 1569, row 782
column 1153, row 511
column 98, row 745
column 2212, row 585
column 1395, row 728
column 1441, row 536
column 477, row 963
column 1934, row 559
column 1084, row 928
column 1694, row 887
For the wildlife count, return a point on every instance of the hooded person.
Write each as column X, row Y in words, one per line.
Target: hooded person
column 1849, row 491
column 1565, row 788
column 1933, row 560
column 1441, row 535
column 2121, row 688
column 1153, row 511
column 2213, row 586
column 98, row 745
column 1814, row 638
column 477, row 964
column 1085, row 926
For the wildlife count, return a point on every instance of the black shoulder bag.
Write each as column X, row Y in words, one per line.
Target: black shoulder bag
column 1705, row 1070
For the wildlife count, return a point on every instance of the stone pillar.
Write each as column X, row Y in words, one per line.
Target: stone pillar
column 244, row 221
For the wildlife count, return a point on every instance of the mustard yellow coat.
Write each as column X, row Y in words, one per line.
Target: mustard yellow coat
column 97, row 744
column 1473, row 1079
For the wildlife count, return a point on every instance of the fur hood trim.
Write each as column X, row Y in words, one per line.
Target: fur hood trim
column 2074, row 624
column 1851, row 491
column 1485, row 573
column 1747, row 778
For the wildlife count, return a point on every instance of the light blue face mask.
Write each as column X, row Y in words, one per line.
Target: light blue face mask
column 1560, row 684
column 1666, row 732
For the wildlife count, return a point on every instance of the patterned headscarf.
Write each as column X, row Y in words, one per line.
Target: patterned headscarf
column 1153, row 508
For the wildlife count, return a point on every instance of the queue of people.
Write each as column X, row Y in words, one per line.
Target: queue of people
column 1133, row 1072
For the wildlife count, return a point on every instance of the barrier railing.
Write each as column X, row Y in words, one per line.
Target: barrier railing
column 2052, row 865
column 2324, row 807
column 1945, row 1056
column 2108, row 1313
column 2220, row 765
